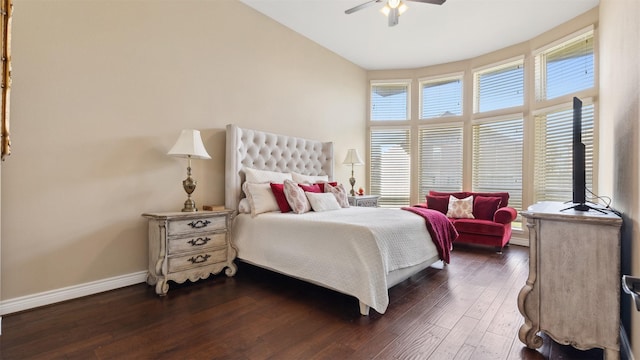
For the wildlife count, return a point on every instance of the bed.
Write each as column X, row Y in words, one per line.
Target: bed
column 358, row 251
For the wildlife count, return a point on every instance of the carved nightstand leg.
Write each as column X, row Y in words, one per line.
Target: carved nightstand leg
column 162, row 287
column 528, row 335
column 231, row 270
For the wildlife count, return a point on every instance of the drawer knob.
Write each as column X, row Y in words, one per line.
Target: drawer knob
column 199, row 241
column 199, row 224
column 199, row 259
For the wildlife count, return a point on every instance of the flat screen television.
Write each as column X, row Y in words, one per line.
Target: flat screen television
column 579, row 163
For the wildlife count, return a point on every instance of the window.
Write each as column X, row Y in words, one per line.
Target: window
column 390, row 101
column 391, row 166
column 553, row 152
column 440, row 159
column 486, row 129
column 565, row 68
column 441, row 97
column 497, row 158
column 499, row 87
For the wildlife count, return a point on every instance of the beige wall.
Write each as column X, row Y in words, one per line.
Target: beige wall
column 101, row 90
column 620, row 130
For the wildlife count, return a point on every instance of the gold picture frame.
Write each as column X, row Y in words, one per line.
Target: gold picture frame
column 6, row 12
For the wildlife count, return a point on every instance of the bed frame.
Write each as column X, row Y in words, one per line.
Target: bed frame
column 267, row 151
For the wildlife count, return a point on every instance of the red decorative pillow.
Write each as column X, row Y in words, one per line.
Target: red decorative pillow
column 484, row 207
column 321, row 184
column 281, row 199
column 311, row 188
column 440, row 203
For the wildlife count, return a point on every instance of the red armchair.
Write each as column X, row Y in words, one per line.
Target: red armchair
column 491, row 222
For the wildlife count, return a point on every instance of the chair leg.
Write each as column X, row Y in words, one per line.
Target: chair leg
column 499, row 250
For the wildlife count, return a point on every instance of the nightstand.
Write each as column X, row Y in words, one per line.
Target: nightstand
column 188, row 246
column 364, row 200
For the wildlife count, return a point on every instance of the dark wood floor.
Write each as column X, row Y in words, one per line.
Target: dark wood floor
column 465, row 311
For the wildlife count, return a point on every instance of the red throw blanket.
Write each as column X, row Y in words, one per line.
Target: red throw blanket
column 441, row 229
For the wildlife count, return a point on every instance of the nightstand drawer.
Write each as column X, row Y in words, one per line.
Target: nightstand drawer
column 192, row 225
column 190, row 261
column 195, row 243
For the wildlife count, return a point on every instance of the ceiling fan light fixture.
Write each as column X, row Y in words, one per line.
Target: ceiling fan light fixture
column 402, row 8
column 393, row 4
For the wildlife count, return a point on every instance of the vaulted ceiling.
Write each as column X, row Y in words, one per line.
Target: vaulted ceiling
column 426, row 34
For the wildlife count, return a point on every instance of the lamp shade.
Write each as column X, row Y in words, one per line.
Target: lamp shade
column 353, row 158
column 189, row 145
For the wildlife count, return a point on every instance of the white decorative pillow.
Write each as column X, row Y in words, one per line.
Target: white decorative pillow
column 308, row 179
column 460, row 208
column 244, row 207
column 265, row 176
column 261, row 198
column 322, row 201
column 296, row 197
column 339, row 192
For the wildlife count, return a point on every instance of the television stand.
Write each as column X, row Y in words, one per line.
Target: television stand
column 572, row 292
column 583, row 207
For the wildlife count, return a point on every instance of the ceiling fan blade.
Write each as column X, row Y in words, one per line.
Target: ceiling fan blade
column 393, row 16
column 361, row 6
column 434, row 2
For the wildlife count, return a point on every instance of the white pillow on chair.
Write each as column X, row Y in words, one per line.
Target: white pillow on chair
column 460, row 208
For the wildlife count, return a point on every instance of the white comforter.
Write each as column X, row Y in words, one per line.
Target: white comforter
column 350, row 250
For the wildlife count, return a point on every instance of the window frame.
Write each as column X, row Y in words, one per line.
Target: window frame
column 495, row 67
column 399, row 82
column 440, row 78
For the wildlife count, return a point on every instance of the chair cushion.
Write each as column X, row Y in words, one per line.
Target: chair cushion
column 439, row 203
column 475, row 226
column 502, row 195
column 484, row 207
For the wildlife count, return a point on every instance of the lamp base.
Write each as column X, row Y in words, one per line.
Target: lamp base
column 189, row 186
column 189, row 206
column 352, row 181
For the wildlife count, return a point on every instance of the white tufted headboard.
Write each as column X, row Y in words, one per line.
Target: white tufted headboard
column 265, row 151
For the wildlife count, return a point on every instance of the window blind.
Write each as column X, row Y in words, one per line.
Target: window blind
column 440, row 159
column 441, row 97
column 389, row 101
column 499, row 87
column 553, row 178
column 497, row 158
column 391, row 166
column 565, row 68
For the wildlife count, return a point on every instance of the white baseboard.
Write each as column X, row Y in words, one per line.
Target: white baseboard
column 72, row 292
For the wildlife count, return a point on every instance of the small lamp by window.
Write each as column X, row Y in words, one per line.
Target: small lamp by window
column 189, row 145
column 353, row 158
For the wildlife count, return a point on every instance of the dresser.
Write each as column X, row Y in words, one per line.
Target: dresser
column 572, row 292
column 364, row 200
column 188, row 246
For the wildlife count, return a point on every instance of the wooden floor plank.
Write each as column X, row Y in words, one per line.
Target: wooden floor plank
column 466, row 310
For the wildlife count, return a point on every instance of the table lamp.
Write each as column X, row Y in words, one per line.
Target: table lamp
column 189, row 145
column 353, row 158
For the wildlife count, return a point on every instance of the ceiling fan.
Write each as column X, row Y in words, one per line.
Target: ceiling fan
column 393, row 8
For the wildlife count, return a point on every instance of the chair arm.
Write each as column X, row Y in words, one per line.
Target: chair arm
column 505, row 215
